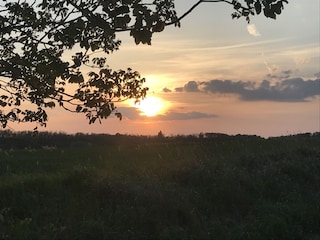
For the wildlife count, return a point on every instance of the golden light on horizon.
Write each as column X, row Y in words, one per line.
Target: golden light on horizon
column 150, row 106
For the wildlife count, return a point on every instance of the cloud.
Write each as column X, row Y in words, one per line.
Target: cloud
column 302, row 60
column 253, row 30
column 276, row 72
column 288, row 90
column 166, row 90
column 179, row 89
column 132, row 113
column 225, row 86
column 169, row 116
column 191, row 86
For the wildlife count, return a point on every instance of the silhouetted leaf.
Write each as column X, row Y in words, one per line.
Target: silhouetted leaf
column 50, row 104
column 79, row 108
column 257, row 6
column 118, row 115
column 159, row 27
column 76, row 78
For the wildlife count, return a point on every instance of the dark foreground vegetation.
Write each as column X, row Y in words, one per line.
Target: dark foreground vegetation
column 213, row 186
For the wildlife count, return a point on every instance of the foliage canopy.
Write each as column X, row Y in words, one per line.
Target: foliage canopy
column 35, row 72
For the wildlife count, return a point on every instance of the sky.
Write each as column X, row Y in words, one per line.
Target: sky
column 215, row 74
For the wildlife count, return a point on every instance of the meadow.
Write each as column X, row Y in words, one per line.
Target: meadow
column 55, row 186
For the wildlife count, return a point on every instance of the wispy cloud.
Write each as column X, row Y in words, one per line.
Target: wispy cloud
column 276, row 72
column 287, row 90
column 253, row 30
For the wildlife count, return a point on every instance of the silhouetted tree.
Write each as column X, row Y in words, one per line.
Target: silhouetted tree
column 160, row 134
column 36, row 37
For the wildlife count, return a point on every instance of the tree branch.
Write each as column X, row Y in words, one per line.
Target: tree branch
column 186, row 13
column 196, row 5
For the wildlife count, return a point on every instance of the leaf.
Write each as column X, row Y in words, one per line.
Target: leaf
column 93, row 75
column 11, row 115
column 94, row 45
column 50, row 104
column 92, row 120
column 118, row 115
column 159, row 27
column 79, row 108
column 121, row 22
column 99, row 61
column 2, row 103
column 4, row 122
column 119, row 11
column 76, row 78
column 237, row 5
column 277, row 7
column 269, row 13
column 257, row 6
column 84, row 43
column 4, row 97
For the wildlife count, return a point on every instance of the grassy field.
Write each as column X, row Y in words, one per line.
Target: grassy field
column 237, row 187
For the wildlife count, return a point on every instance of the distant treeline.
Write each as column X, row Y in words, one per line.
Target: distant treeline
column 32, row 139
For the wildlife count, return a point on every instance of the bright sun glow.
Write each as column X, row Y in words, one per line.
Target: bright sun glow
column 150, row 106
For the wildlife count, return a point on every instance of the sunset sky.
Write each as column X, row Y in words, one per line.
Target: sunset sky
column 215, row 74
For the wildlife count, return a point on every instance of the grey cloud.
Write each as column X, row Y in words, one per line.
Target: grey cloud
column 288, row 90
column 179, row 89
column 183, row 116
column 132, row 113
column 287, row 72
column 166, row 90
column 226, row 86
column 191, row 86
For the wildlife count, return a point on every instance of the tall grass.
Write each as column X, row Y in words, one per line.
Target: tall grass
column 235, row 188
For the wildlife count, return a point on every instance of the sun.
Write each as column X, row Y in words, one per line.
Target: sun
column 150, row 106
